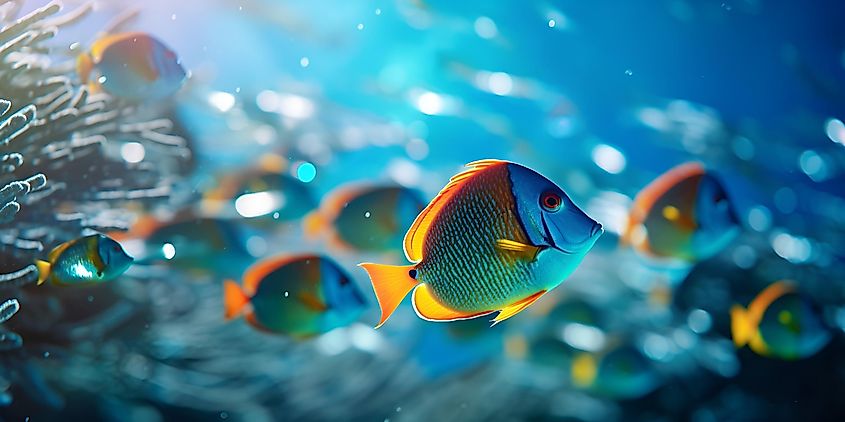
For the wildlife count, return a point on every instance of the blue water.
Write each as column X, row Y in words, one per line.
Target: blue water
column 602, row 97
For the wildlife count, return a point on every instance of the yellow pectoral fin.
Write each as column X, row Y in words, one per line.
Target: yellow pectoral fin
column 517, row 307
column 428, row 308
column 529, row 252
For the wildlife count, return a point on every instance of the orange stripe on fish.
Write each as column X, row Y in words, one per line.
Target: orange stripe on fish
column 256, row 273
column 413, row 244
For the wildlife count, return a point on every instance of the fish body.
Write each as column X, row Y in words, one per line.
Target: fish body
column 301, row 296
column 89, row 259
column 133, row 66
column 779, row 323
column 685, row 214
column 197, row 243
column 370, row 218
column 496, row 238
column 262, row 197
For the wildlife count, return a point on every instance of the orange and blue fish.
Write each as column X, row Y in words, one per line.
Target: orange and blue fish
column 132, row 65
column 299, row 295
column 370, row 218
column 685, row 214
column 90, row 259
column 780, row 323
column 496, row 238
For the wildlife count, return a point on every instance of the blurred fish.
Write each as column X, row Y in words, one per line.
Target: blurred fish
column 779, row 323
column 368, row 218
column 89, row 259
column 190, row 243
column 685, row 214
column 131, row 65
column 302, row 296
column 621, row 372
column 262, row 196
column 496, row 238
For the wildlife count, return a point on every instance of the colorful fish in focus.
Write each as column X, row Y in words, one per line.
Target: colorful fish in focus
column 496, row 238
column 301, row 296
column 90, row 259
column 134, row 66
column 779, row 323
column 685, row 215
column 366, row 218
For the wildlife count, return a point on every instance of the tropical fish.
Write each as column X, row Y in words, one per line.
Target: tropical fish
column 367, row 218
column 190, row 243
column 131, row 65
column 260, row 196
column 779, row 323
column 685, row 214
column 496, row 238
column 89, row 259
column 302, row 296
column 618, row 371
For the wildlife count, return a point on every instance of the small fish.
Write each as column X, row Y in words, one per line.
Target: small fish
column 190, row 243
column 366, row 218
column 133, row 66
column 620, row 372
column 779, row 323
column 685, row 214
column 90, row 259
column 300, row 296
column 496, row 238
column 260, row 196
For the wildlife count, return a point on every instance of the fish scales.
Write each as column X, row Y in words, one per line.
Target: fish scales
column 470, row 273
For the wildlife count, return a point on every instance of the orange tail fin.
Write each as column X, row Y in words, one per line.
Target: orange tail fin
column 741, row 328
column 234, row 299
column 83, row 67
column 391, row 284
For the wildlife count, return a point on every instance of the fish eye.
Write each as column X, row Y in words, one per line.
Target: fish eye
column 550, row 201
column 344, row 281
column 115, row 248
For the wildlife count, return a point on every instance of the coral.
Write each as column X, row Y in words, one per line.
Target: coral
column 61, row 171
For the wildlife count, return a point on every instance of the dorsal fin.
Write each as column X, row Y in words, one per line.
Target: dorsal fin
column 99, row 46
column 769, row 295
column 416, row 234
column 54, row 254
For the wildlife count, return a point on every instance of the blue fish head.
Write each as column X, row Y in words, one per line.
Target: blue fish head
column 549, row 216
column 168, row 66
column 716, row 217
column 114, row 257
column 344, row 300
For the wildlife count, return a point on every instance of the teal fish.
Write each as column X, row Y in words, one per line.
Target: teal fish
column 133, row 66
column 369, row 218
column 780, row 323
column 89, row 259
column 301, row 296
column 685, row 214
column 496, row 238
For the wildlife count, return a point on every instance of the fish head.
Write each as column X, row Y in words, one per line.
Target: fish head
column 167, row 67
column 549, row 216
column 116, row 259
column 717, row 223
column 341, row 294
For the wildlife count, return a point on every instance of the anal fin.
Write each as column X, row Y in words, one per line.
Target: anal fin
column 517, row 307
column 429, row 309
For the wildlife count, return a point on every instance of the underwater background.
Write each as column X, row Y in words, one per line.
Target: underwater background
column 290, row 114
